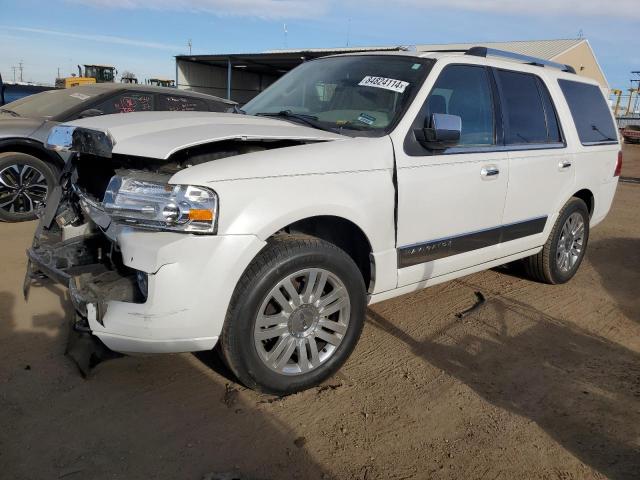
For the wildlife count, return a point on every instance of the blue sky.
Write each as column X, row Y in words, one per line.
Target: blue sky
column 143, row 35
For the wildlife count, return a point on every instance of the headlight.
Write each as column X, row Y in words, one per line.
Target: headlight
column 155, row 204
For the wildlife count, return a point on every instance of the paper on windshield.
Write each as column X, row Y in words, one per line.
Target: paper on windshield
column 80, row 96
column 383, row 82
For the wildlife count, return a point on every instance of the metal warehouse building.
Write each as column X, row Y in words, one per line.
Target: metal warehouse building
column 242, row 76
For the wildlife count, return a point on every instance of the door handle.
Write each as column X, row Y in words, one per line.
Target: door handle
column 563, row 165
column 490, row 171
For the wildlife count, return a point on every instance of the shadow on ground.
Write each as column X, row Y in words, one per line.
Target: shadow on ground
column 137, row 418
column 582, row 390
column 617, row 261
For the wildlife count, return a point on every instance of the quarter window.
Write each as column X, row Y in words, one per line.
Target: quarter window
column 529, row 113
column 465, row 91
column 590, row 112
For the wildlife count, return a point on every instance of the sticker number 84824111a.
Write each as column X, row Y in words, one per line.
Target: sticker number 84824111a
column 386, row 83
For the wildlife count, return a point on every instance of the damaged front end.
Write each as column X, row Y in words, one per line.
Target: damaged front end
column 71, row 248
column 99, row 197
column 139, row 255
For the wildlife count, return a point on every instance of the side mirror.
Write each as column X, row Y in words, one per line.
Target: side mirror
column 92, row 112
column 442, row 131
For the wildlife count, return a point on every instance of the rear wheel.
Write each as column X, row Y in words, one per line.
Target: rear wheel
column 25, row 183
column 295, row 315
column 559, row 259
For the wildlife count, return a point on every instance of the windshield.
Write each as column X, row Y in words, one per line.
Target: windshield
column 50, row 103
column 365, row 93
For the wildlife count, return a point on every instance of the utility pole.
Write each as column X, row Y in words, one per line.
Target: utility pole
column 21, row 69
column 58, row 73
column 13, row 67
column 284, row 26
column 190, row 44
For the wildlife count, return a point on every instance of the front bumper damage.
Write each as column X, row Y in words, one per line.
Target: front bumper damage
column 189, row 278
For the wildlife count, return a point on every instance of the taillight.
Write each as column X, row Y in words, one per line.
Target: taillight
column 618, row 170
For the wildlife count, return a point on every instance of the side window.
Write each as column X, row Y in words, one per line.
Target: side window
column 590, row 112
column 553, row 126
column 127, row 102
column 525, row 120
column 465, row 91
column 177, row 103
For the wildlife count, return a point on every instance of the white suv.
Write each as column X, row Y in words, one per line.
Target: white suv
column 351, row 180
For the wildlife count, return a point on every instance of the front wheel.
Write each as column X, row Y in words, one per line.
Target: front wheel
column 295, row 315
column 25, row 184
column 559, row 259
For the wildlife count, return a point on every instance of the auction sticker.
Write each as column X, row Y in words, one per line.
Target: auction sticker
column 368, row 119
column 383, row 82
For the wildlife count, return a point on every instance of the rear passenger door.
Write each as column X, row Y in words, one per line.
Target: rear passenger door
column 541, row 170
column 450, row 202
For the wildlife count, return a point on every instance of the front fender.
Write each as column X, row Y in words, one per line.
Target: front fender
column 31, row 147
column 262, row 207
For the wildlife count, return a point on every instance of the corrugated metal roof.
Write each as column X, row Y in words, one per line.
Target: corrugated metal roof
column 545, row 49
column 340, row 49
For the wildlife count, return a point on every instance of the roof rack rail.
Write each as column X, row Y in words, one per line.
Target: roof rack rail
column 539, row 62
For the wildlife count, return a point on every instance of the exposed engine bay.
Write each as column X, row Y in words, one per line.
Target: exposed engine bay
column 76, row 241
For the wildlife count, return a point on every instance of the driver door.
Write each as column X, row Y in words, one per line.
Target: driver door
column 451, row 202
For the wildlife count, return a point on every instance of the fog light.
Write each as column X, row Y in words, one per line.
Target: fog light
column 143, row 283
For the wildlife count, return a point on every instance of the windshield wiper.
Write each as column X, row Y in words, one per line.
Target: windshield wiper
column 10, row 112
column 606, row 137
column 310, row 120
column 354, row 126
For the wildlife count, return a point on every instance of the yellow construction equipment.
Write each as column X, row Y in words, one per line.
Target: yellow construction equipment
column 161, row 82
column 618, row 93
column 92, row 74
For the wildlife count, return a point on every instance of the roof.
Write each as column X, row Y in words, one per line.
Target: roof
column 337, row 50
column 101, row 88
column 545, row 49
column 275, row 62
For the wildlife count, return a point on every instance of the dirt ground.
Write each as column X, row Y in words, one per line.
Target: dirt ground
column 631, row 161
column 542, row 382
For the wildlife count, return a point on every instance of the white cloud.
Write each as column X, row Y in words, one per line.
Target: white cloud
column 97, row 38
column 575, row 8
column 269, row 9
column 282, row 9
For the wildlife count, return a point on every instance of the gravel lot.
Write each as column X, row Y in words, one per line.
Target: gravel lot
column 541, row 382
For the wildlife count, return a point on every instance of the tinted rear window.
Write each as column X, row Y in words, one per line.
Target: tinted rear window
column 179, row 103
column 590, row 112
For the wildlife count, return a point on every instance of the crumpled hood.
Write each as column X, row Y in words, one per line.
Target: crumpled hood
column 18, row 126
column 160, row 134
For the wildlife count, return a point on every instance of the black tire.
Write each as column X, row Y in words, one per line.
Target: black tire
column 543, row 266
column 31, row 193
column 283, row 256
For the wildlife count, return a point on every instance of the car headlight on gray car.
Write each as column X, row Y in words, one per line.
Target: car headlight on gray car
column 162, row 206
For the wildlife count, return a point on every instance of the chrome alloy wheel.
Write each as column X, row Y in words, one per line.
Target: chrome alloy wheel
column 570, row 243
column 22, row 188
column 302, row 321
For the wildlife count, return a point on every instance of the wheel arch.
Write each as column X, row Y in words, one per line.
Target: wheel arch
column 33, row 148
column 342, row 232
column 587, row 197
